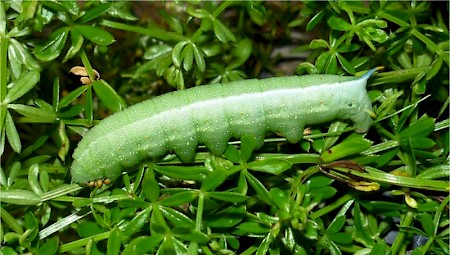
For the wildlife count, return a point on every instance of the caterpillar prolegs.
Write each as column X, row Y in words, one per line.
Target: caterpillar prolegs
column 211, row 115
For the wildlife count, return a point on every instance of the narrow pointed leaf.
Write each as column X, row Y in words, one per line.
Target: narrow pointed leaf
column 94, row 12
column 95, row 34
column 52, row 48
column 12, row 134
column 108, row 95
column 24, row 84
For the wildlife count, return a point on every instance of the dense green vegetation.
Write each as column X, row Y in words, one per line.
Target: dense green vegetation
column 335, row 192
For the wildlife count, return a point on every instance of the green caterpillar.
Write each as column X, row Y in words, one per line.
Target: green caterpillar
column 211, row 115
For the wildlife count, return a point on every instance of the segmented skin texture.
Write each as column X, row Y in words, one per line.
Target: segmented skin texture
column 212, row 115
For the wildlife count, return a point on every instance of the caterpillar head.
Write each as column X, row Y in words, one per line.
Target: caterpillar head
column 89, row 177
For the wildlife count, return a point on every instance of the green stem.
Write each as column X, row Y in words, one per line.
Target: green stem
column 333, row 206
column 222, row 7
column 82, row 242
column 397, row 76
column 199, row 218
column 87, row 65
column 430, row 44
column 393, row 19
column 406, row 222
column 376, row 175
column 2, row 19
column 3, row 73
column 154, row 32
column 3, row 66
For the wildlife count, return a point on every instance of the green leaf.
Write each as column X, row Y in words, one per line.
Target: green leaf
column 33, row 180
column 307, row 68
column 323, row 192
column 195, row 173
column 426, row 220
column 280, row 199
column 11, row 221
column 114, row 242
column 70, row 112
column 269, row 165
column 417, row 142
column 76, row 42
column 150, row 188
column 72, row 6
column 222, row 32
column 157, row 51
column 24, row 84
column 377, row 35
column 19, row 197
column 331, row 67
column 421, row 128
column 88, row 106
column 228, row 196
column 435, row 67
column 435, row 172
column 256, row 12
column 50, row 247
column 232, row 153
column 188, row 57
column 348, row 67
column 315, row 20
column 12, row 134
column 137, row 222
column 142, row 245
column 63, row 140
column 56, row 92
column 181, row 198
column 31, row 224
column 176, row 218
column 336, row 225
column 341, row 238
column 226, row 218
column 34, row 114
column 253, row 228
column 88, row 228
column 94, row 12
column 95, row 34
column 158, row 225
column 214, row 179
column 319, row 181
column 52, row 48
column 189, row 234
column 108, row 95
column 176, row 53
column 318, row 43
column 24, row 55
column 247, row 146
column 323, row 61
column 242, row 52
column 69, row 98
column 14, row 63
column 265, row 244
column 379, row 248
column 198, row 56
column 339, row 24
column 350, row 146
column 360, row 222
column 259, row 188
column 54, row 5
column 117, row 10
column 197, row 13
